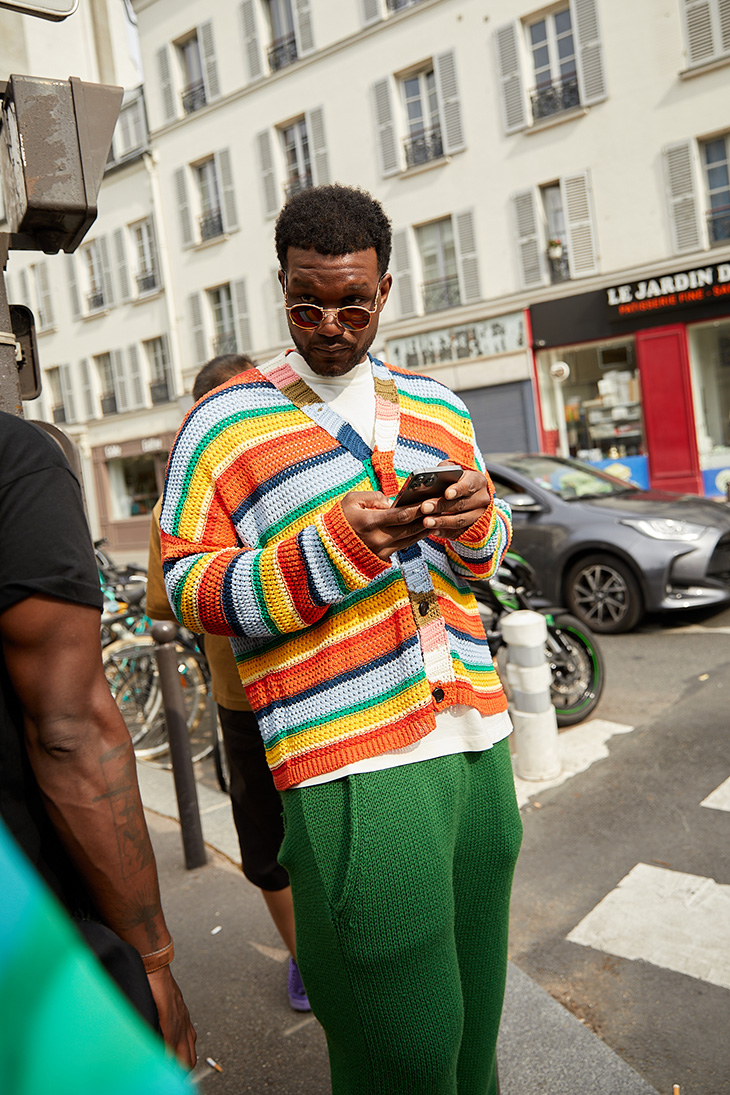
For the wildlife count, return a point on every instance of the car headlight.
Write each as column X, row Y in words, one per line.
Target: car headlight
column 666, row 528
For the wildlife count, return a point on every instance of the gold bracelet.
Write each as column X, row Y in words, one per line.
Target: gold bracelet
column 157, row 960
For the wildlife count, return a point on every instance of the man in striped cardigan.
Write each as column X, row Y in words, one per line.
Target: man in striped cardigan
column 361, row 650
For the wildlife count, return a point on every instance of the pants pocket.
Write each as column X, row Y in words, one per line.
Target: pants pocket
column 330, row 817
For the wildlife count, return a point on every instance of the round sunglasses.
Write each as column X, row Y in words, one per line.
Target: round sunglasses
column 352, row 317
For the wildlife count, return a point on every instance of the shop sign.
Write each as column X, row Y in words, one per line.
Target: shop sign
column 487, row 338
column 151, row 444
column 111, row 452
column 684, row 288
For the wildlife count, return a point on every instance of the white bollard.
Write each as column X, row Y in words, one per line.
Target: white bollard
column 533, row 715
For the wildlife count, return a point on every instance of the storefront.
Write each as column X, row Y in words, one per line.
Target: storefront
column 636, row 378
column 129, row 479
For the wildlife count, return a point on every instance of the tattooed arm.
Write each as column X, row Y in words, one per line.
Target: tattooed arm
column 82, row 757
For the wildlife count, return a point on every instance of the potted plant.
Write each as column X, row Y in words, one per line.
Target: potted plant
column 555, row 249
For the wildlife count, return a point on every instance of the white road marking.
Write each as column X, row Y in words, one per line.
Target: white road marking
column 677, row 921
column 719, row 799
column 277, row 953
column 298, row 1026
column 579, row 748
column 695, row 629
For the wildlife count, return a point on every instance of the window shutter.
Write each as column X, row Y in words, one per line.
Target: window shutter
column 529, row 247
column 195, row 311
column 166, row 88
column 183, row 207
column 228, row 194
column 23, row 288
column 466, row 244
column 369, row 11
column 169, row 376
column 679, row 161
column 242, row 320
column 67, row 392
column 10, row 288
column 315, row 131
column 304, row 35
column 106, row 271
column 575, row 193
column 45, row 303
column 121, row 391
column 210, row 65
column 250, row 39
column 387, row 149
column 73, row 286
column 86, row 392
column 403, row 273
column 512, row 92
column 266, row 167
column 134, row 377
column 121, row 264
column 445, row 72
column 281, row 327
column 589, row 54
column 707, row 29
column 154, row 253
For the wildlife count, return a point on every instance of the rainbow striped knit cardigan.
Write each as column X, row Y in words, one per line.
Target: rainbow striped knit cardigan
column 343, row 656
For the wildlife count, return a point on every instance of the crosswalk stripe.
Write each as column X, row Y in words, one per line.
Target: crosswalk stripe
column 677, row 921
column 719, row 799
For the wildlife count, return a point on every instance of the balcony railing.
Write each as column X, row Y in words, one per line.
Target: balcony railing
column 424, row 146
column 297, row 183
column 95, row 299
column 400, row 5
column 108, row 403
column 146, row 281
column 558, row 264
column 59, row 413
column 225, row 343
column 718, row 223
column 211, row 224
column 159, row 392
column 282, row 52
column 441, row 294
column 193, row 97
column 555, row 98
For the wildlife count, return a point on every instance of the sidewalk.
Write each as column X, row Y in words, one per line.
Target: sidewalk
column 232, row 967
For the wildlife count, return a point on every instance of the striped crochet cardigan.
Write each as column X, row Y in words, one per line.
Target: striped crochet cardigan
column 343, row 656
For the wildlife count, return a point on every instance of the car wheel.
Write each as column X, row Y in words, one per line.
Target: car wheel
column 603, row 592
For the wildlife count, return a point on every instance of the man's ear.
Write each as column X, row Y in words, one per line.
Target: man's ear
column 386, row 284
column 282, row 280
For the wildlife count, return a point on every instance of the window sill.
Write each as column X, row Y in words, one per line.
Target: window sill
column 556, row 119
column 703, row 67
column 151, row 294
column 97, row 313
column 421, row 167
column 201, row 245
column 49, row 329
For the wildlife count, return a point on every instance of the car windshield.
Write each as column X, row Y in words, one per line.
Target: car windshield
column 568, row 478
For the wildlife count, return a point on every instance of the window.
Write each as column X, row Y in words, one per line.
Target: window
column 438, row 262
column 130, row 132
column 707, row 30
column 193, row 93
column 120, row 381
column 298, row 150
column 557, row 238
column 224, row 329
column 98, row 275
column 135, row 484
column 295, row 143
column 555, row 231
column 423, row 142
column 557, row 57
column 214, row 199
column 194, row 77
column 715, row 160
column 291, row 35
column 44, row 304
column 61, row 393
column 211, row 216
column 103, row 364
column 219, row 317
column 143, row 235
column 161, row 385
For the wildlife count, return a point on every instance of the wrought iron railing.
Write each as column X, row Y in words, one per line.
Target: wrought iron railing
column 108, row 403
column 193, row 97
column 146, row 281
column 225, row 343
column 424, row 146
column 282, row 52
column 554, row 98
column 718, row 224
column 399, row 5
column 159, row 392
column 558, row 264
column 211, row 224
column 95, row 299
column 59, row 413
column 297, row 183
column 441, row 294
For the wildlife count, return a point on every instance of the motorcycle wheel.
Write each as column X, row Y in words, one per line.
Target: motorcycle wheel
column 577, row 670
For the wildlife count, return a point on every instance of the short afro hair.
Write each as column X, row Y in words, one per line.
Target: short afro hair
column 218, row 370
column 333, row 220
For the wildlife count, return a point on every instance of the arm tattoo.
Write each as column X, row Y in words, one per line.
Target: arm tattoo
column 135, row 852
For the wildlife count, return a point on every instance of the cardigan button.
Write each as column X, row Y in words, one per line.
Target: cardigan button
column 423, row 608
column 438, row 694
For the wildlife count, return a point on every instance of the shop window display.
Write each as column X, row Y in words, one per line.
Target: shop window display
column 135, row 483
column 709, row 346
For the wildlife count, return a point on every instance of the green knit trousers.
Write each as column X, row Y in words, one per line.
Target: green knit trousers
column 401, row 882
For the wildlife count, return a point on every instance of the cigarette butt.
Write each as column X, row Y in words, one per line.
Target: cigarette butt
column 675, row 1089
column 213, row 1064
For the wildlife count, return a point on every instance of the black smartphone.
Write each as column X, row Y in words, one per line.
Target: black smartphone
column 427, row 483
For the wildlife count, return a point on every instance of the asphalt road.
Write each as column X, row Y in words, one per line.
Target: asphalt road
column 638, row 813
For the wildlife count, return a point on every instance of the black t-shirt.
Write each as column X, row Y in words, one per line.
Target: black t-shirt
column 45, row 548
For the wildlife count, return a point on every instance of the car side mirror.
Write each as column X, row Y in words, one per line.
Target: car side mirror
column 522, row 503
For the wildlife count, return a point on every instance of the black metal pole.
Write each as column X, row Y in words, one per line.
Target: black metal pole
column 177, row 733
column 9, row 384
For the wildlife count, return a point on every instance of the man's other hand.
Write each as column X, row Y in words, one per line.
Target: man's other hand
column 177, row 1030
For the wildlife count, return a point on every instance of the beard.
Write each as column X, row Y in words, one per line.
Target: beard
column 348, row 356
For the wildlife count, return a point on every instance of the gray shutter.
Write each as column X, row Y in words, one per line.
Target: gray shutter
column 121, row 390
column 45, row 304
column 9, row 284
column 166, row 89
column 281, row 326
column 387, row 148
column 532, row 263
column 183, row 206
column 120, row 257
column 707, row 26
column 155, row 253
column 169, row 375
column 106, row 271
column 466, row 244
column 589, row 54
column 250, row 39
column 195, row 311
column 576, row 197
column 369, row 11
column 242, row 319
column 266, row 167
column 228, row 194
column 318, row 144
column 403, row 275
column 679, row 162
column 24, row 289
column 512, row 92
column 86, row 391
column 303, row 27
column 210, row 65
column 134, row 378
column 444, row 65
column 67, row 392
column 73, row 288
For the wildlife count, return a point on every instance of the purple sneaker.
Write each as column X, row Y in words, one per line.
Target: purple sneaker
column 297, row 995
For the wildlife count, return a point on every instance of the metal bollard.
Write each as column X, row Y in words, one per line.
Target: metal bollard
column 177, row 735
column 533, row 715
